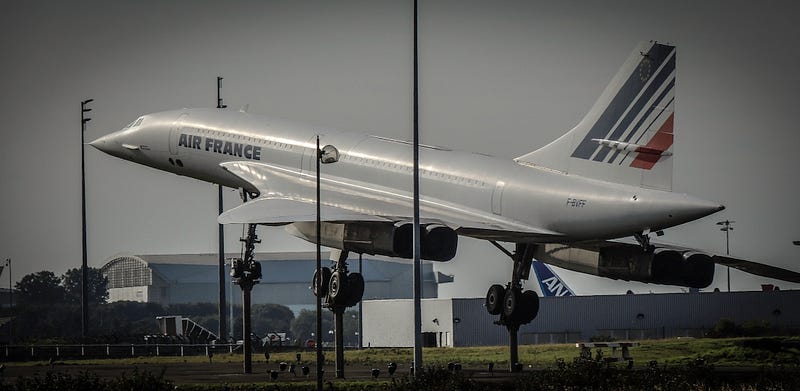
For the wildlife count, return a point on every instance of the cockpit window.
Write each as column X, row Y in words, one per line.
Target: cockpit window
column 134, row 123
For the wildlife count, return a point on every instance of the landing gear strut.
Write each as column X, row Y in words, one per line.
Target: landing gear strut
column 246, row 272
column 340, row 289
column 515, row 306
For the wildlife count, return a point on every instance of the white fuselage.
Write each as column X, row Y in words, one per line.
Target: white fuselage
column 193, row 142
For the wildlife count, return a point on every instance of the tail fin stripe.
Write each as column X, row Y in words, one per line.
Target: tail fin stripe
column 638, row 106
column 661, row 141
column 660, row 113
column 639, row 129
column 656, row 56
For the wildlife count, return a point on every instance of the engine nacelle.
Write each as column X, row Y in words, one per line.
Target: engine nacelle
column 662, row 266
column 438, row 242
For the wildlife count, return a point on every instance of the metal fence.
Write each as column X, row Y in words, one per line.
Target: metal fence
column 54, row 352
column 652, row 333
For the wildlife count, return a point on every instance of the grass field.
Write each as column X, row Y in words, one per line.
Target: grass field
column 736, row 364
column 730, row 352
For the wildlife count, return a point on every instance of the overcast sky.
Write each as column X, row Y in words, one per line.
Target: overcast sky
column 502, row 78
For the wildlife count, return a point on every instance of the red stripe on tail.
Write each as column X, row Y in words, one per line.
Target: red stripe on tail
column 660, row 142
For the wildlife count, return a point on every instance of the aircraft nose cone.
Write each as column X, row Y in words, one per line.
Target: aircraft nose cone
column 102, row 144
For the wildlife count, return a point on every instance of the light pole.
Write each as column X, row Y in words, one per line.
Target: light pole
column 10, row 301
column 326, row 155
column 84, row 267
column 727, row 227
column 223, row 332
column 417, row 267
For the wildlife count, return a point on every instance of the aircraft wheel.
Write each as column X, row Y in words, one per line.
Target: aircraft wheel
column 530, row 306
column 326, row 277
column 355, row 288
column 337, row 288
column 494, row 299
column 510, row 303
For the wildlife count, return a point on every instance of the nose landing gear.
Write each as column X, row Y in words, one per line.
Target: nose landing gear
column 515, row 306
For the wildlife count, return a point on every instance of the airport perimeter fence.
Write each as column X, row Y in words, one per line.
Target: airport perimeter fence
column 560, row 337
column 100, row 351
column 653, row 333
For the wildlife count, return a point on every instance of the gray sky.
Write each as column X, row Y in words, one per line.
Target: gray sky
column 502, row 78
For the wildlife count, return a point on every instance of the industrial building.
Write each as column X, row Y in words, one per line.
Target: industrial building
column 193, row 278
column 465, row 322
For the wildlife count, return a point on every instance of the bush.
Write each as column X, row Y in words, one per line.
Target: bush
column 90, row 381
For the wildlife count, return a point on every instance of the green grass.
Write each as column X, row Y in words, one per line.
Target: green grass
column 731, row 352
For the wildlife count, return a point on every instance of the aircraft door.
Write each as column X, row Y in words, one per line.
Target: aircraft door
column 497, row 198
column 175, row 133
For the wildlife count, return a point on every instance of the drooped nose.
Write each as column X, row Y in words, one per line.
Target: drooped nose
column 100, row 143
column 108, row 144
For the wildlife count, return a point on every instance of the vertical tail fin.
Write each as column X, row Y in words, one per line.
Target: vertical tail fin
column 549, row 282
column 627, row 135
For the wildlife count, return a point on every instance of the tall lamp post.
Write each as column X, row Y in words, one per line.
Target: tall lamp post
column 223, row 332
column 727, row 227
column 84, row 267
column 417, row 266
column 10, row 301
column 326, row 155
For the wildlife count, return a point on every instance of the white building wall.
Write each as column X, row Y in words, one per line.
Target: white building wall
column 390, row 323
column 131, row 293
column 577, row 318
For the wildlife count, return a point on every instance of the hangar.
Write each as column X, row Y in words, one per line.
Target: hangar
column 465, row 322
column 193, row 278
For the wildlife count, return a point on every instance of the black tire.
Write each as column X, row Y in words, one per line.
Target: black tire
column 494, row 299
column 530, row 307
column 510, row 303
column 326, row 277
column 355, row 288
column 337, row 288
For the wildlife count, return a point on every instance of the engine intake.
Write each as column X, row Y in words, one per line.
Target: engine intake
column 438, row 242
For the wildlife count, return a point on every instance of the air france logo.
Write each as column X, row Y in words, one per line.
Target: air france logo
column 223, row 147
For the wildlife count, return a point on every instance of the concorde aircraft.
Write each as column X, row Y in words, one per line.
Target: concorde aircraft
column 571, row 203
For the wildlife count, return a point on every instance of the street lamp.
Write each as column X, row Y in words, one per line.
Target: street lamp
column 328, row 154
column 10, row 300
column 84, row 267
column 727, row 227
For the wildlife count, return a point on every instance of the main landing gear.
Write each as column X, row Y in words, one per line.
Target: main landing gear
column 340, row 289
column 515, row 306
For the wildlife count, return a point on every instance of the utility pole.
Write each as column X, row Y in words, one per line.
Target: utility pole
column 223, row 332
column 360, row 308
column 417, row 263
column 84, row 266
column 319, row 282
column 727, row 227
column 10, row 302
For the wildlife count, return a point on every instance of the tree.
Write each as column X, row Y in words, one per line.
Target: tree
column 97, row 287
column 268, row 318
column 40, row 288
column 306, row 323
